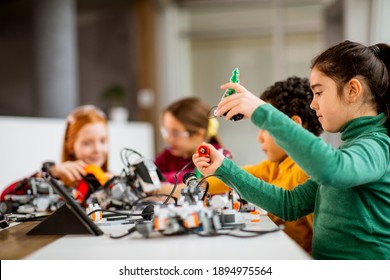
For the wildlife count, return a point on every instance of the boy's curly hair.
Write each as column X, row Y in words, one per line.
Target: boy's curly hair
column 293, row 97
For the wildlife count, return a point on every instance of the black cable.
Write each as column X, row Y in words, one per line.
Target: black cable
column 130, row 231
column 153, row 195
column 260, row 232
column 120, row 213
column 214, row 234
column 256, row 233
column 185, row 230
column 109, row 182
column 176, row 180
column 125, row 160
column 125, row 163
column 28, row 219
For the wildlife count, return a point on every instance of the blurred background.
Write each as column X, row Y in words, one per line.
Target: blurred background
column 133, row 57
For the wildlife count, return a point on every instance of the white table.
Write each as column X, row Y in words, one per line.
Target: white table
column 270, row 246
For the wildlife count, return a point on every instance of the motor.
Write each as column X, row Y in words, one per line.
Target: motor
column 193, row 191
column 126, row 191
column 39, row 197
column 142, row 174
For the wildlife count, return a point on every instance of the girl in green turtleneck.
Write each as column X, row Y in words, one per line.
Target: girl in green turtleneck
column 349, row 188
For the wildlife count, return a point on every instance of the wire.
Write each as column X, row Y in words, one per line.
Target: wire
column 130, row 231
column 260, row 232
column 28, row 219
column 120, row 213
column 109, row 182
column 256, row 233
column 176, row 180
column 230, row 183
column 125, row 155
column 154, row 195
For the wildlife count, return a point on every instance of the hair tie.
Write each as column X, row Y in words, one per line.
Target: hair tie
column 213, row 127
column 70, row 119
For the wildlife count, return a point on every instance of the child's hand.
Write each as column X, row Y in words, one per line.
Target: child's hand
column 109, row 175
column 244, row 102
column 207, row 165
column 69, row 171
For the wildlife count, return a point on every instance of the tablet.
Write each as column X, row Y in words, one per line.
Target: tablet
column 68, row 219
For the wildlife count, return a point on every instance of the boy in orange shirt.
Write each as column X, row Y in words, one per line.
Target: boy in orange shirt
column 293, row 97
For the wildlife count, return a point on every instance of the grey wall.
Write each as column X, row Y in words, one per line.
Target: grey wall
column 105, row 50
column 16, row 58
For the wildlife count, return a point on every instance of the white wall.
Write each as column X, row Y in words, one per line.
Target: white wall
column 367, row 21
column 25, row 143
column 199, row 45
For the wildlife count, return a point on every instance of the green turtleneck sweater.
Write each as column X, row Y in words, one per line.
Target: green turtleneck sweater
column 349, row 188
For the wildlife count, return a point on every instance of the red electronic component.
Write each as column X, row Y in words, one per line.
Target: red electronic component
column 203, row 151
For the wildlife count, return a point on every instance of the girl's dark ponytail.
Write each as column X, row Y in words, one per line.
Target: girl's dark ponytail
column 382, row 51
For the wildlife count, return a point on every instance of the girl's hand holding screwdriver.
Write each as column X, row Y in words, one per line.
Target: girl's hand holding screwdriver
column 244, row 102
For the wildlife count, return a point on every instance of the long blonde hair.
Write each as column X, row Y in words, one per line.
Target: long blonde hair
column 77, row 119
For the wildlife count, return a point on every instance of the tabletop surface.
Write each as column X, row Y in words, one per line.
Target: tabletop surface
column 277, row 245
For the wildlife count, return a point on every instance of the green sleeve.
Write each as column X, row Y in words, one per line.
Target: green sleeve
column 323, row 163
column 286, row 204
